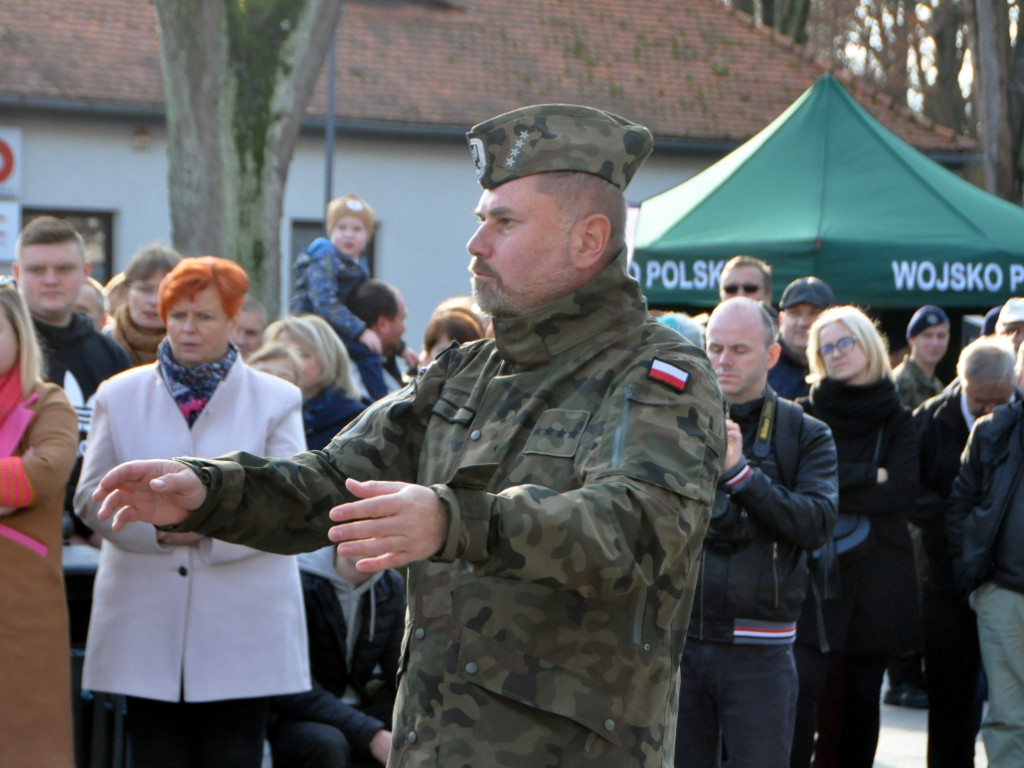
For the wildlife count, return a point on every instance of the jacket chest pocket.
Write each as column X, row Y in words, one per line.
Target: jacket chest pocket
column 558, row 433
column 548, row 456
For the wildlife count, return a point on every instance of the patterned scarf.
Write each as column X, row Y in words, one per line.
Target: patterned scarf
column 193, row 386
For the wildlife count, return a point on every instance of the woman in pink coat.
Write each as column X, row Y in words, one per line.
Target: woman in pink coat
column 38, row 445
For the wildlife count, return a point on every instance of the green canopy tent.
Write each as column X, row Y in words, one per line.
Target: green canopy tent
column 826, row 190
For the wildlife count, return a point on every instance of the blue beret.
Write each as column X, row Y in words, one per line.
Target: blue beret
column 925, row 318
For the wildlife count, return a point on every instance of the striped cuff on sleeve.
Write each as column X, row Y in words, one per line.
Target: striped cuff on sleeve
column 15, row 487
column 737, row 480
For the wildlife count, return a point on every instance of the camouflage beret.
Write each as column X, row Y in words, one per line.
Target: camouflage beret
column 557, row 137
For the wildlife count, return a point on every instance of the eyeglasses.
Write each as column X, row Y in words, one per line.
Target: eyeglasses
column 734, row 288
column 844, row 345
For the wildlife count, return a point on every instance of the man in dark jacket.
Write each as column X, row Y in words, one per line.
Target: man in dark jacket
column 51, row 268
column 984, row 381
column 986, row 536
column 355, row 622
column 803, row 300
column 777, row 500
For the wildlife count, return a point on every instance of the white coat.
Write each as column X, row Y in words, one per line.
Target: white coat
column 217, row 621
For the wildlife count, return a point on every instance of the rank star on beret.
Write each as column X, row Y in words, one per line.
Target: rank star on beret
column 558, row 137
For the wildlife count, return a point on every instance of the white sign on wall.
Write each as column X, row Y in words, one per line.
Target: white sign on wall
column 10, row 161
column 10, row 226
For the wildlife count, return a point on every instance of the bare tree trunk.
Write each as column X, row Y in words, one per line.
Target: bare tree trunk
column 791, row 18
column 990, row 45
column 943, row 101
column 238, row 77
column 1017, row 119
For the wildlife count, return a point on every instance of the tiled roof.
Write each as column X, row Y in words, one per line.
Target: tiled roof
column 688, row 69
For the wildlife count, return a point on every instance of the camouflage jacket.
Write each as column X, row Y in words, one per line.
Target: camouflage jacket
column 578, row 468
column 914, row 385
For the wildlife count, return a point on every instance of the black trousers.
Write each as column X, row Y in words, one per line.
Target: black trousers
column 848, row 728
column 214, row 734
column 953, row 662
column 305, row 744
column 812, row 669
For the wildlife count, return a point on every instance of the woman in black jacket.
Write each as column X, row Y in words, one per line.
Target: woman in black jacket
column 330, row 397
column 872, row 612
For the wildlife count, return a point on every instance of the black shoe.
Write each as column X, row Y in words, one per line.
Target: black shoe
column 907, row 695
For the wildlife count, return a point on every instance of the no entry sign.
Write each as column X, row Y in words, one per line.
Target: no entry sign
column 10, row 162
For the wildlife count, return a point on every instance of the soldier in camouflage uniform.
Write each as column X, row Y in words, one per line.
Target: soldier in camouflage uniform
column 928, row 337
column 550, row 487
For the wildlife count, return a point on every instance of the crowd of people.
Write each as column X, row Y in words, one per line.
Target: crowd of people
column 514, row 542
column 168, row 360
column 912, row 536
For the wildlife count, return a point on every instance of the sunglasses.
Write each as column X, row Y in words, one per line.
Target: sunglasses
column 734, row 288
column 844, row 345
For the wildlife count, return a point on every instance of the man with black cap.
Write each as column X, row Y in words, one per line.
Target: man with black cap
column 549, row 488
column 928, row 337
column 803, row 300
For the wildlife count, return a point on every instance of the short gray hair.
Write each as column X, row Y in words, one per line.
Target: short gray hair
column 986, row 359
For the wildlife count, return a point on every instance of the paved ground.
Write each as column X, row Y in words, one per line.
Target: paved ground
column 904, row 739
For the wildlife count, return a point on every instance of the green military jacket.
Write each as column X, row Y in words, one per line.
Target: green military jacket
column 577, row 456
column 914, row 385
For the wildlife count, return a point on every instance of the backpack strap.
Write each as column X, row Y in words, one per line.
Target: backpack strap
column 786, row 439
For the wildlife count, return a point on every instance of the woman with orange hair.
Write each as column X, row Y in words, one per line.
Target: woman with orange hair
column 196, row 633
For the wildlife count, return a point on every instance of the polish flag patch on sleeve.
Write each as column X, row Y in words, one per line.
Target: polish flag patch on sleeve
column 669, row 374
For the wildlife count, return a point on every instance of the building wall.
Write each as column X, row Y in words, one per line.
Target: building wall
column 423, row 192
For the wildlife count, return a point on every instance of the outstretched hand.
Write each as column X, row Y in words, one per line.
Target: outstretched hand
column 392, row 524
column 157, row 491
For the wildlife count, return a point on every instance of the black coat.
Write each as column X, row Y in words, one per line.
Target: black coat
column 788, row 375
column 331, row 675
column 78, row 359
column 326, row 414
column 942, row 433
column 982, row 493
column 877, row 610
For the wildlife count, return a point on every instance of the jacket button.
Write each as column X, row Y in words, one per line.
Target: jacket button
column 420, row 633
column 474, row 435
column 609, row 725
column 471, row 668
column 413, row 738
column 183, row 570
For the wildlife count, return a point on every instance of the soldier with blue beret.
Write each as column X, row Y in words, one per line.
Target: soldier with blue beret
column 548, row 488
column 928, row 337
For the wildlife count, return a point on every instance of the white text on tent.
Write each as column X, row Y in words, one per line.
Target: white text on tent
column 673, row 274
column 955, row 276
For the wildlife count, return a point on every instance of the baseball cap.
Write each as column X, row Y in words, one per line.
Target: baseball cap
column 1012, row 311
column 807, row 290
column 558, row 137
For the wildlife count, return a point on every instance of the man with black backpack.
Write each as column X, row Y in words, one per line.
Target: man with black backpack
column 776, row 502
